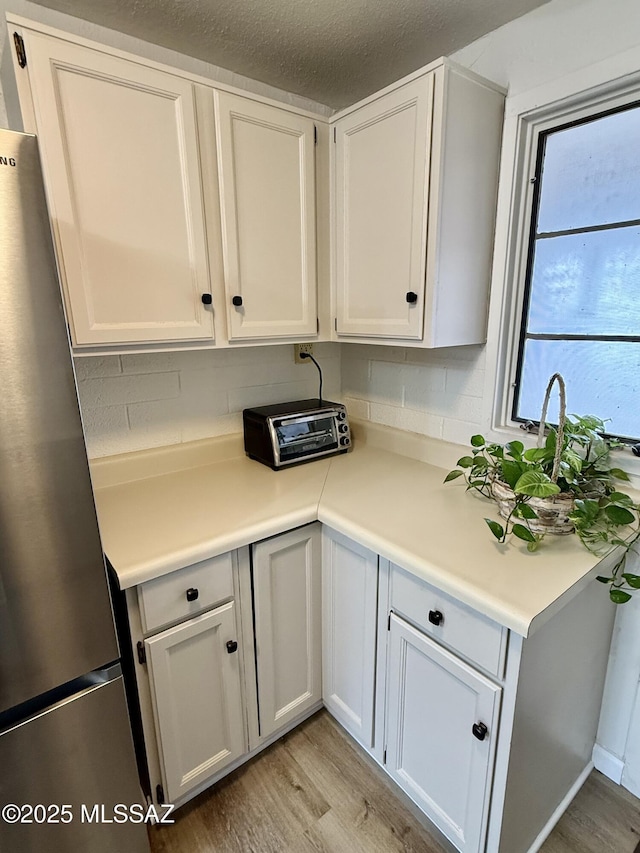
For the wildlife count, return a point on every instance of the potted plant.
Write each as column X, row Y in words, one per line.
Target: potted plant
column 564, row 485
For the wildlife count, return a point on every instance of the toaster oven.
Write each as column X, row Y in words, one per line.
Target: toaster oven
column 289, row 433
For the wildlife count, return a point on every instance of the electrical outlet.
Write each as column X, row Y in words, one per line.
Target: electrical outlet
column 298, row 348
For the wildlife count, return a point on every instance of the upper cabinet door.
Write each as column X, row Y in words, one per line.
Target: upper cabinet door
column 267, row 195
column 120, row 154
column 381, row 193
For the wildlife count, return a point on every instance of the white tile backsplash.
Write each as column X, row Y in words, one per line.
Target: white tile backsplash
column 433, row 392
column 134, row 402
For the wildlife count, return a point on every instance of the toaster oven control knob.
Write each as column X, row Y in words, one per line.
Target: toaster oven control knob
column 343, row 428
column 344, row 441
column 342, row 415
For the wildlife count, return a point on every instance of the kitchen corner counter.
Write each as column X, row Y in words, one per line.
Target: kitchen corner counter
column 158, row 524
column 393, row 504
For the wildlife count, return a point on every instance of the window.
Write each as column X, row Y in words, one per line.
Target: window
column 581, row 306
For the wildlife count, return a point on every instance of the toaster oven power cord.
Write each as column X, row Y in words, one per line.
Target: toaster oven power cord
column 308, row 355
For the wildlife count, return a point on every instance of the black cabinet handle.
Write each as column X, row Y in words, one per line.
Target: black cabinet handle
column 237, row 301
column 232, row 647
column 192, row 593
column 207, row 298
column 435, row 617
column 479, row 730
column 411, row 297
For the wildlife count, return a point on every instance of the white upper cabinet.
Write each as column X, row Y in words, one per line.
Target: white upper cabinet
column 266, row 166
column 120, row 155
column 415, row 183
column 382, row 174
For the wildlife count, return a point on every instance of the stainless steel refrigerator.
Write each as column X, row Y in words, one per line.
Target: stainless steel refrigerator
column 64, row 732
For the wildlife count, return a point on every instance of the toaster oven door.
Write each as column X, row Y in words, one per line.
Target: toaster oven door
column 304, row 437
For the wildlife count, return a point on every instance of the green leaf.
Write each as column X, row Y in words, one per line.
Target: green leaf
column 536, row 454
column 632, row 580
column 572, row 458
column 511, row 471
column 480, row 462
column 620, row 498
column 527, row 511
column 550, row 442
column 465, row 461
column 533, row 546
column 619, row 474
column 618, row 596
column 477, row 441
column 452, row 475
column 536, row 484
column 523, row 533
column 619, row 515
column 515, row 449
column 587, row 509
column 496, row 529
column 604, row 580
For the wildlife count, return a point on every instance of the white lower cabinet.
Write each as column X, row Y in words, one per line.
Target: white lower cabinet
column 349, row 607
column 441, row 734
column 195, row 684
column 286, row 572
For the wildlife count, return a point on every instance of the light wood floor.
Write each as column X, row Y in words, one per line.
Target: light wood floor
column 315, row 791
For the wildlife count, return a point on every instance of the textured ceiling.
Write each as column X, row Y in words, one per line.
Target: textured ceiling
column 333, row 51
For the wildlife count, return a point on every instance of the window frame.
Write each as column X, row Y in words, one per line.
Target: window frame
column 578, row 97
column 527, row 283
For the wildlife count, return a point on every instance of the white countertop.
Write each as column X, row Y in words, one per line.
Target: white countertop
column 395, row 505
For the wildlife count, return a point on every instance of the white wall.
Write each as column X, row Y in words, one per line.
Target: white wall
column 132, row 402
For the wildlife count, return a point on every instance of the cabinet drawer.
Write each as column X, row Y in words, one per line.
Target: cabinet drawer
column 477, row 638
column 186, row 592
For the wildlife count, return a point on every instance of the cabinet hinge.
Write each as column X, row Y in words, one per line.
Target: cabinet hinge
column 384, row 757
column 317, row 325
column 389, row 622
column 335, row 323
column 334, row 135
column 160, row 795
column 315, row 135
column 142, row 652
column 20, row 51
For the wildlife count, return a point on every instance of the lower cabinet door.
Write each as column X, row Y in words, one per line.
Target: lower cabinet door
column 441, row 734
column 287, row 606
column 349, row 610
column 195, row 679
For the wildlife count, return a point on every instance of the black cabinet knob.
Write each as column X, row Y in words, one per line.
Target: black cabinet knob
column 192, row 593
column 479, row 730
column 435, row 617
column 232, row 647
column 237, row 301
column 207, row 298
column 411, row 297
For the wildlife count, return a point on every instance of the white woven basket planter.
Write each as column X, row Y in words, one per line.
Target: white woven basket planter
column 553, row 513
